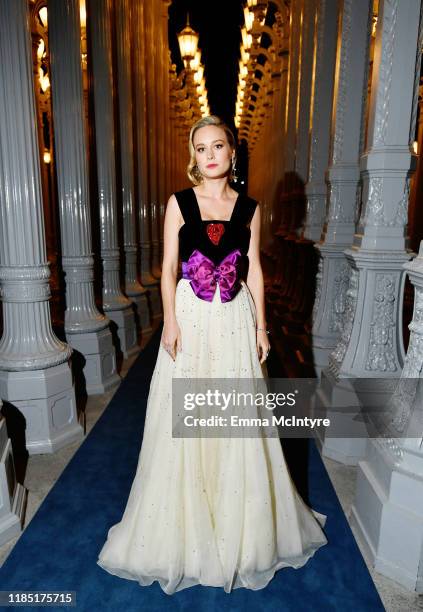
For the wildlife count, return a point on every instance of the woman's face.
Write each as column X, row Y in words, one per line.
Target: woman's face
column 213, row 153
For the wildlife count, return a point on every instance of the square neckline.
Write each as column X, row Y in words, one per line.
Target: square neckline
column 215, row 220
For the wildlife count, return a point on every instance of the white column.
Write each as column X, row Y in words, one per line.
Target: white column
column 117, row 306
column 371, row 344
column 133, row 287
column 87, row 330
column 343, row 176
column 387, row 513
column 34, row 364
column 324, row 72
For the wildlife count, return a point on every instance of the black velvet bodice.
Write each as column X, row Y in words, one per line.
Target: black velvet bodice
column 199, row 234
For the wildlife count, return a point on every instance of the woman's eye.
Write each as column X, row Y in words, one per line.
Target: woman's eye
column 200, row 149
column 219, row 146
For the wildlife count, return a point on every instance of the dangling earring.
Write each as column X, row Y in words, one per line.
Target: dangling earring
column 234, row 173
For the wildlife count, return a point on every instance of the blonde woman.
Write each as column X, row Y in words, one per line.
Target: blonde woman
column 219, row 511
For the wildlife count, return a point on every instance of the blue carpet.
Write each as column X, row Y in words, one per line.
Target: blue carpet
column 59, row 549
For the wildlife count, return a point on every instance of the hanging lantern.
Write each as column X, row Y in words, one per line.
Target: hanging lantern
column 188, row 43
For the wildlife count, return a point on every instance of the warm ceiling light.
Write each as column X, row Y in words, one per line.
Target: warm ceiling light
column 43, row 16
column 249, row 19
column 195, row 63
column 83, row 14
column 188, row 42
column 199, row 74
column 247, row 39
column 40, row 49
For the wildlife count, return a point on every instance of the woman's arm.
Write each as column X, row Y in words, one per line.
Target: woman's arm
column 172, row 222
column 256, row 285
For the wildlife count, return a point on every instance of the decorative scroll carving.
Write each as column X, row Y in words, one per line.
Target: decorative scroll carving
column 381, row 354
column 390, row 12
column 338, row 353
column 339, row 303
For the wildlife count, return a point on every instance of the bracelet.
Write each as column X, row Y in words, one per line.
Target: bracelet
column 262, row 329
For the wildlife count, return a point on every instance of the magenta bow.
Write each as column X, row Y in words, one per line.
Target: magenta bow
column 204, row 275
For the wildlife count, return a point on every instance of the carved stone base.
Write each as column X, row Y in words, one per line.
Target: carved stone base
column 126, row 331
column 99, row 355
column 387, row 514
column 46, row 399
column 13, row 495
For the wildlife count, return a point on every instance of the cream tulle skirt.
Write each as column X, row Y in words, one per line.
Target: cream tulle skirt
column 212, row 511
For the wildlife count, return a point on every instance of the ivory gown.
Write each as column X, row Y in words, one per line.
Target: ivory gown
column 213, row 511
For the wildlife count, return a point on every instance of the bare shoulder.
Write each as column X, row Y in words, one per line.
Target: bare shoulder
column 173, row 212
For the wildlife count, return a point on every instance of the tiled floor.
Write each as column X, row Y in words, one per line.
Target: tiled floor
column 44, row 470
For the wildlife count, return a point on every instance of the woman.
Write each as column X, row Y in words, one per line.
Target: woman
column 211, row 511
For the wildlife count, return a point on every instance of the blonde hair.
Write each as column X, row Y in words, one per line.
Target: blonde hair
column 193, row 172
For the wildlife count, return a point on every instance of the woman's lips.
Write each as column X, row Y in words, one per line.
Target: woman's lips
column 211, row 165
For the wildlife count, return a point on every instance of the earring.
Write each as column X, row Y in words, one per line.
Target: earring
column 234, row 172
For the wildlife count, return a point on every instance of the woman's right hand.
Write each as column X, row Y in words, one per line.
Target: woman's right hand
column 171, row 336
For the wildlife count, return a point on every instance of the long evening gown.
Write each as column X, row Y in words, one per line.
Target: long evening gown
column 213, row 511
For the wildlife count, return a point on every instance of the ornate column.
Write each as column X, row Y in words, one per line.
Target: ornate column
column 388, row 512
column 142, row 118
column 371, row 345
column 343, row 174
column 117, row 306
column 133, row 288
column 315, row 189
column 87, row 330
column 34, row 364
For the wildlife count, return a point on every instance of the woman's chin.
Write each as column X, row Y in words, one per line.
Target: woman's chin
column 216, row 173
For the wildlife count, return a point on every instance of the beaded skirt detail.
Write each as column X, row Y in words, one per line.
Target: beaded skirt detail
column 220, row 512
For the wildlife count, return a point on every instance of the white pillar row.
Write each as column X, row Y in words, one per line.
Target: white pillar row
column 316, row 189
column 387, row 513
column 87, row 330
column 371, row 345
column 343, row 174
column 117, row 306
column 34, row 364
column 133, row 288
column 142, row 118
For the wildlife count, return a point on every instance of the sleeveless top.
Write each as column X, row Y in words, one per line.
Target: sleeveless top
column 213, row 250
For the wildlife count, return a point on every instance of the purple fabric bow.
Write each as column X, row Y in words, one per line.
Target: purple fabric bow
column 204, row 275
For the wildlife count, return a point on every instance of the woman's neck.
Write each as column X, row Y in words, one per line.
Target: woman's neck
column 217, row 189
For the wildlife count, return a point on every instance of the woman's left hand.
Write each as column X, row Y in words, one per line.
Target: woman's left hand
column 263, row 345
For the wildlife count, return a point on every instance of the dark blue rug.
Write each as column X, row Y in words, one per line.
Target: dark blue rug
column 59, row 549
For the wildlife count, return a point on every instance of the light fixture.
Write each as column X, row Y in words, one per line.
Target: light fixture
column 247, row 39
column 47, row 156
column 249, row 19
column 188, row 42
column 82, row 14
column 195, row 63
column 42, row 13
